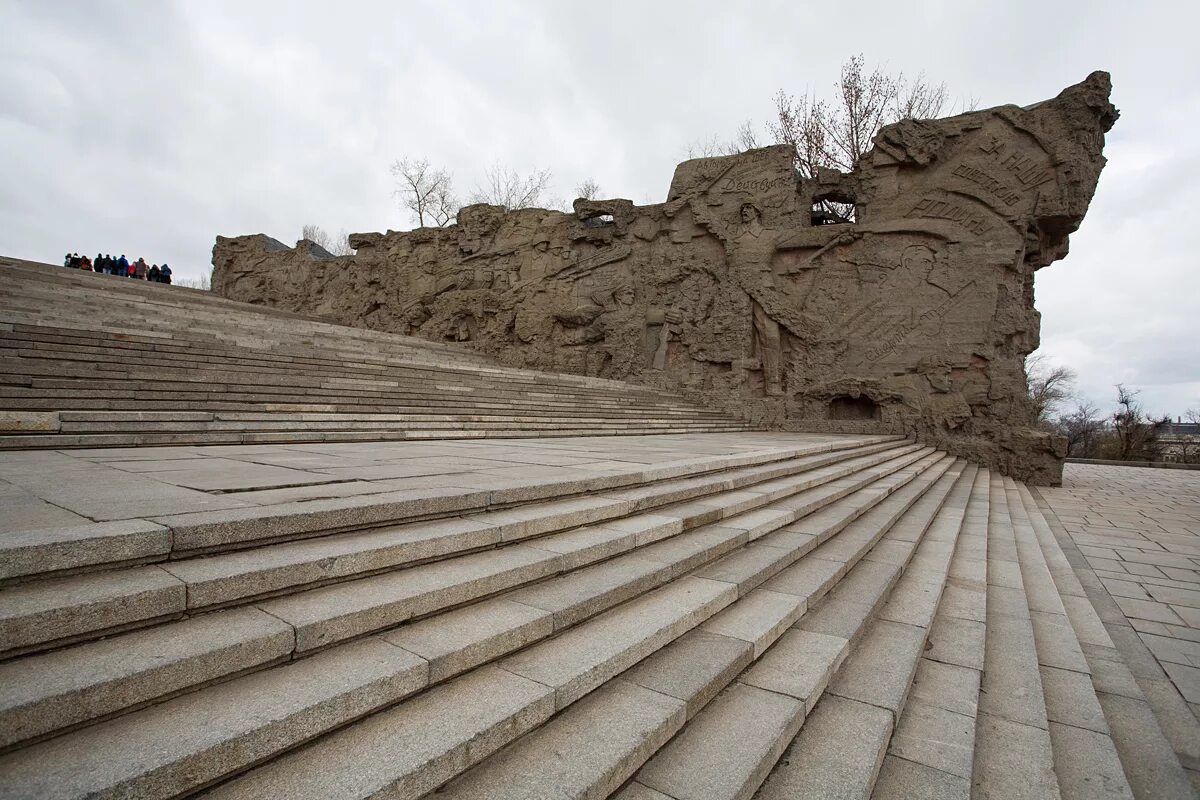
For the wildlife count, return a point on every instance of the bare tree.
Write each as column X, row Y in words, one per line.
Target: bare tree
column 1136, row 435
column 588, row 190
column 1083, row 428
column 919, row 99
column 334, row 245
column 504, row 186
column 1049, row 386
column 427, row 192
column 835, row 135
column 707, row 148
column 745, row 138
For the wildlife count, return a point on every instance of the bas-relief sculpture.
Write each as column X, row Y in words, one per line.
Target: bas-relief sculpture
column 915, row 318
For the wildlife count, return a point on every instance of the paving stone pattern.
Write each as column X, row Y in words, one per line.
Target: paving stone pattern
column 1135, row 536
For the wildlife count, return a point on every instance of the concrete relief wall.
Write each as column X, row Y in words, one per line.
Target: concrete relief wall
column 914, row 318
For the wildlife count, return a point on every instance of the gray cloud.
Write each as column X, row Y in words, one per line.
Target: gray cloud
column 150, row 127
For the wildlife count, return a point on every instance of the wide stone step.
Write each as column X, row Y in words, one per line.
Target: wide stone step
column 123, row 669
column 85, row 352
column 84, row 440
column 116, row 362
column 1113, row 706
column 724, row 740
column 1086, row 763
column 99, row 349
column 732, row 746
column 286, row 422
column 39, row 551
column 42, row 613
column 49, row 382
column 931, row 749
column 573, row 664
column 103, row 759
column 1012, row 724
column 415, row 390
column 40, row 380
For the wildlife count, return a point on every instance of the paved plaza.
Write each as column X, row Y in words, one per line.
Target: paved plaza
column 1139, row 531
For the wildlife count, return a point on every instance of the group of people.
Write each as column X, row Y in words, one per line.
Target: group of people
column 119, row 266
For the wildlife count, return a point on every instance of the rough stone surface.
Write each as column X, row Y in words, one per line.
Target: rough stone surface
column 54, row 690
column 837, row 753
column 586, row 752
column 914, row 318
column 904, row 780
column 693, row 668
column 178, row 746
column 728, row 749
column 410, row 749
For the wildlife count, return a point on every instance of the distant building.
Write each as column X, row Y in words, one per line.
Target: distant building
column 1180, row 442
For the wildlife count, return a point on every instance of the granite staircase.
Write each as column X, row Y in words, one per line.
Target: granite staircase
column 792, row 616
column 855, row 617
column 90, row 360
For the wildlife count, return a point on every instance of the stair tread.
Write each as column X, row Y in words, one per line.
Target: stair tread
column 741, row 713
column 474, row 631
column 858, row 691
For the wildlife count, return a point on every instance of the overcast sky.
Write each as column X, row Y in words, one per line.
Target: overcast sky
column 148, row 128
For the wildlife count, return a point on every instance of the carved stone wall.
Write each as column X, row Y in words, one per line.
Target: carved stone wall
column 915, row 318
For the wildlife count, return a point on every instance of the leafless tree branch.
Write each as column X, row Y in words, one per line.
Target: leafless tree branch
column 504, row 186
column 427, row 192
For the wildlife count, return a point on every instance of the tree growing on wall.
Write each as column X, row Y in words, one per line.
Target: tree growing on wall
column 588, row 190
column 835, row 132
column 427, row 192
column 745, row 138
column 504, row 186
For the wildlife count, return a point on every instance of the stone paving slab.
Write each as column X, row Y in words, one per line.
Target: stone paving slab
column 47, row 489
column 1138, row 530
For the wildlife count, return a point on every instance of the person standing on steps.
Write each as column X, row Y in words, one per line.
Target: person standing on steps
column 122, row 266
column 154, row 273
column 165, row 273
column 139, row 269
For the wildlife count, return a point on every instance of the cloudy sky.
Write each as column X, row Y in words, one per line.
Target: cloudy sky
column 150, row 127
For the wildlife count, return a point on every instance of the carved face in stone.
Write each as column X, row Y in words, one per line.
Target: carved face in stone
column 917, row 259
column 750, row 213
column 624, row 295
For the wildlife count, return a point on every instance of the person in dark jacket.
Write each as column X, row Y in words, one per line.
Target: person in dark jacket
column 123, row 266
column 109, row 264
column 154, row 273
column 165, row 273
